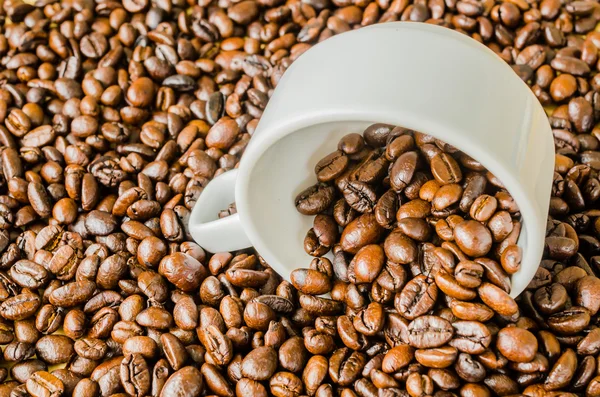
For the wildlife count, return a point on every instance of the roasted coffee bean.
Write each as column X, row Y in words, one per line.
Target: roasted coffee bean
column 293, row 355
column 135, row 375
column 331, row 166
column 569, row 321
column 43, row 383
column 260, row 363
column 362, row 231
column 54, row 349
column 417, row 298
column 397, row 358
column 439, row 357
column 314, row 199
column 310, row 281
column 497, row 299
column 445, row 169
column 403, row 169
column 188, row 377
column 473, row 238
column 516, row 344
column 359, row 196
column 429, row 331
column 385, row 209
column 182, row 270
column 345, row 366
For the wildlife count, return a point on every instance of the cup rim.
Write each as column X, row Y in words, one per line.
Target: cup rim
column 530, row 214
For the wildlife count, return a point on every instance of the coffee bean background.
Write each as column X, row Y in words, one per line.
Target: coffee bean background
column 115, row 115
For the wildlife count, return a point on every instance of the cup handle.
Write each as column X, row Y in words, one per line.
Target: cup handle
column 212, row 234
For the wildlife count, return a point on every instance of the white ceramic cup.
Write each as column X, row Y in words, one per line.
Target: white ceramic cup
column 423, row 77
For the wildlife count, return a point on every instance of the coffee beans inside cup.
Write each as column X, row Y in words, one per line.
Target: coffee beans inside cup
column 398, row 205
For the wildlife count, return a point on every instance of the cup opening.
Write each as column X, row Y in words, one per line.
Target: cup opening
column 288, row 157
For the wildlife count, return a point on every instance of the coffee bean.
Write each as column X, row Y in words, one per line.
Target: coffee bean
column 569, row 321
column 473, row 238
column 437, row 357
column 43, row 383
column 260, row 363
column 417, row 297
column 562, row 372
column 399, row 248
column 497, row 299
column 54, row 349
column 397, row 358
column 223, row 134
column 331, row 166
column 94, row 45
column 445, row 169
column 367, row 264
column 134, row 375
column 517, row 344
column 403, row 170
column 585, row 293
column 188, row 377
column 362, row 231
column 310, row 281
column 345, row 366
column 429, row 331
column 314, row 199
column 140, row 93
column 360, row 196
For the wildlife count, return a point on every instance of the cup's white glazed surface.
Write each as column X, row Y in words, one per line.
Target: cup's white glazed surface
column 419, row 76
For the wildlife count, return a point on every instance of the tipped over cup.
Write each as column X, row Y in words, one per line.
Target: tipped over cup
column 422, row 77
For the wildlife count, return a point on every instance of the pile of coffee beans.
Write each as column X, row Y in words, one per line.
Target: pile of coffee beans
column 411, row 207
column 115, row 115
column 422, row 264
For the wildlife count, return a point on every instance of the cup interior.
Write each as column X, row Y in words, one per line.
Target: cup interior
column 275, row 227
column 284, row 170
column 218, row 194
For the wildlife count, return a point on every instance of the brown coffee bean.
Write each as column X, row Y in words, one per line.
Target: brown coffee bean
column 473, row 238
column 417, row 297
column 182, row 270
column 562, row 372
column 445, row 169
column 362, row 231
column 54, row 349
column 260, row 363
column 331, row 166
column 403, row 170
column 135, row 375
column 429, row 331
column 188, row 377
column 247, row 387
column 497, row 299
column 42, row 383
column 516, row 344
column 345, row 366
column 310, row 281
column 314, row 199
column 397, row 358
column 585, row 293
column 569, row 321
column 437, row 357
